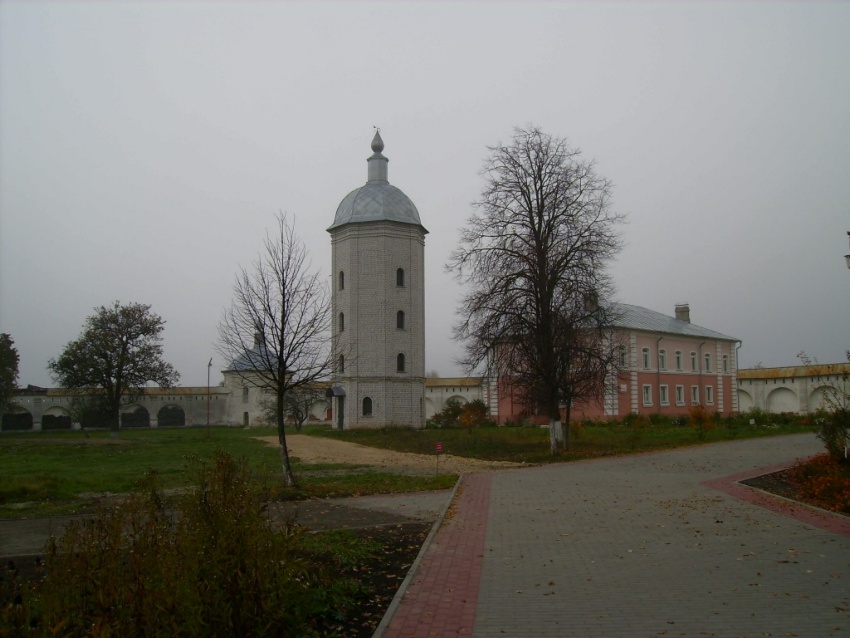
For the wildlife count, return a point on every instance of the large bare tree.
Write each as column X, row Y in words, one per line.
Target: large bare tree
column 276, row 331
column 116, row 356
column 533, row 257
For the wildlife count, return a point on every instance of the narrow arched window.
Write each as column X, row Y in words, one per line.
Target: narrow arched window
column 342, row 322
column 399, row 277
column 341, row 280
column 341, row 363
column 367, row 406
column 399, row 362
column 399, row 320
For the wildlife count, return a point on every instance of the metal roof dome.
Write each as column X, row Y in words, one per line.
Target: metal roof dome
column 377, row 200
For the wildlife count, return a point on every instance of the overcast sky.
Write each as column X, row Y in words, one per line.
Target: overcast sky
column 145, row 148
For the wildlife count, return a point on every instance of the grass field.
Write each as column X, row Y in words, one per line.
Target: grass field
column 531, row 444
column 51, row 473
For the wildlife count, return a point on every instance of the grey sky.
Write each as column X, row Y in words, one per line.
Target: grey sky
column 145, row 147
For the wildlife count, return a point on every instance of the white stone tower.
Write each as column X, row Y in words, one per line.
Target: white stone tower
column 378, row 248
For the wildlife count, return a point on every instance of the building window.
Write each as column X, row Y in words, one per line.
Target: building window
column 680, row 395
column 399, row 320
column 244, row 394
column 399, row 362
column 645, row 360
column 679, row 360
column 341, row 322
column 709, row 394
column 341, row 280
column 662, row 359
column 341, row 363
column 694, row 395
column 693, row 362
column 664, row 396
column 623, row 353
column 725, row 364
column 367, row 406
column 708, row 363
column 647, row 394
column 399, row 277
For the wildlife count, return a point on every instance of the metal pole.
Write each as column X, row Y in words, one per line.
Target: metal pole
column 209, row 367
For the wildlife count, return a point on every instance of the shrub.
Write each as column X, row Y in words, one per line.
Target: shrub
column 636, row 423
column 474, row 414
column 701, row 420
column 449, row 416
column 216, row 568
column 825, row 481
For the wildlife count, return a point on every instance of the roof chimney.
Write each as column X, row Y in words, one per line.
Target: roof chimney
column 683, row 312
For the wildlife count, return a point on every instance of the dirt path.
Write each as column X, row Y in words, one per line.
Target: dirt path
column 314, row 449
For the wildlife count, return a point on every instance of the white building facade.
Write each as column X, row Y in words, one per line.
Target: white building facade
column 378, row 265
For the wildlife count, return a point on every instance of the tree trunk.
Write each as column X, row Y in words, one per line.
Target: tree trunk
column 567, row 411
column 556, row 432
column 288, row 476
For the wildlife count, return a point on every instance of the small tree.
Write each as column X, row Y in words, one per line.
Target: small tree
column 116, row 356
column 834, row 427
column 449, row 416
column 276, row 331
column 473, row 414
column 8, row 370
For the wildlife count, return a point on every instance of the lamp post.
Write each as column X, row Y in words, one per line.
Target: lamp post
column 209, row 367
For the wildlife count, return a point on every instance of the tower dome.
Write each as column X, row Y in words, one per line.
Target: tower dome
column 377, row 200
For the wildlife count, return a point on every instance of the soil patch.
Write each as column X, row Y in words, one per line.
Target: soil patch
column 313, row 449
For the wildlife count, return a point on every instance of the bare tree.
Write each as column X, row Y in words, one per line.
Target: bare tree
column 533, row 256
column 276, row 331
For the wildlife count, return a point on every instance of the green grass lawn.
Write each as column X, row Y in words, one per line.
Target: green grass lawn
column 55, row 473
column 531, row 444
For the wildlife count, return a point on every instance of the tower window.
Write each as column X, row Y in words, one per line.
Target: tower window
column 341, row 363
column 342, row 322
column 399, row 277
column 367, row 406
column 341, row 280
column 399, row 362
column 399, row 320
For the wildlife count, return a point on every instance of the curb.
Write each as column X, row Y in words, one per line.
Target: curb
column 402, row 589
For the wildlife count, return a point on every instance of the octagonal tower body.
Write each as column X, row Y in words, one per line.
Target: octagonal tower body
column 378, row 254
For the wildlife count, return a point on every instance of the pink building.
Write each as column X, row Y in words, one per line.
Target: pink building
column 667, row 364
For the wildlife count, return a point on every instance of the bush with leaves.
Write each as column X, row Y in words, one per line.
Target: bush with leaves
column 449, row 416
column 214, row 566
column 833, row 422
column 701, row 420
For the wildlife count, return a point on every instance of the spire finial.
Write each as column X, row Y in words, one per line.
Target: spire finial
column 377, row 142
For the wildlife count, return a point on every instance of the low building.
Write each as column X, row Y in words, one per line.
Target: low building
column 666, row 366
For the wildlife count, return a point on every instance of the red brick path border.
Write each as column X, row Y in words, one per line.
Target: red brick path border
column 810, row 515
column 442, row 598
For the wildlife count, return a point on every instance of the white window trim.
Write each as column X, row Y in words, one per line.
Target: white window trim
column 664, row 395
column 694, row 395
column 709, row 395
column 680, row 395
column 647, row 394
column 646, row 360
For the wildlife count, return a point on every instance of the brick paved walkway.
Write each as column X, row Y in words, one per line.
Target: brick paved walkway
column 648, row 545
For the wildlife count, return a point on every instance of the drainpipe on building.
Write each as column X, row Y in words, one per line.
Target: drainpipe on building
column 658, row 371
column 699, row 368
